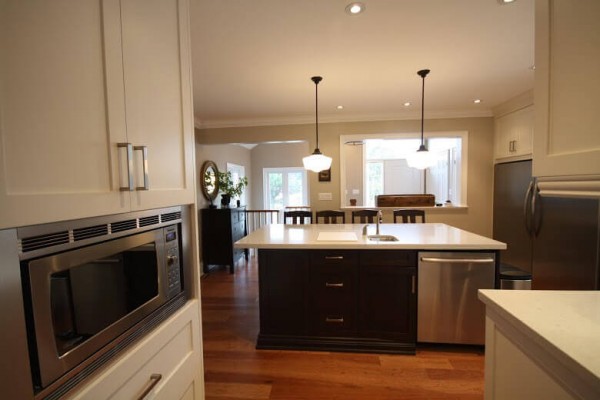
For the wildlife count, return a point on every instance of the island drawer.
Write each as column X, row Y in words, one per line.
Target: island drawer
column 334, row 257
column 398, row 258
column 333, row 301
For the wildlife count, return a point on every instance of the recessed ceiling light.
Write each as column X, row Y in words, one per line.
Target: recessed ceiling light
column 355, row 8
column 477, row 101
column 407, row 104
column 506, row 1
column 340, row 107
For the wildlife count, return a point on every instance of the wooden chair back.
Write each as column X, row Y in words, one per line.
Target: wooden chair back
column 364, row 216
column 331, row 216
column 409, row 216
column 297, row 217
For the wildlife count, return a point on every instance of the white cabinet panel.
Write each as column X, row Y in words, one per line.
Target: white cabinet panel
column 56, row 138
column 173, row 351
column 77, row 78
column 156, row 63
column 514, row 133
column 567, row 89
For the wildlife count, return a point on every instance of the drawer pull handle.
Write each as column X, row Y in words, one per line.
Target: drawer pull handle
column 327, row 284
column 458, row 260
column 154, row 379
column 334, row 257
column 335, row 320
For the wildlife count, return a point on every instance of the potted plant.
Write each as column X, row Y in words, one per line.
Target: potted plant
column 229, row 188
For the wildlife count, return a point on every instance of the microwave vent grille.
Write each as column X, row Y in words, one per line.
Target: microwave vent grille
column 123, row 225
column 151, row 220
column 90, row 232
column 170, row 216
column 43, row 241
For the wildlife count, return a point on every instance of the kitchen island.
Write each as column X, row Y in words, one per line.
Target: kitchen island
column 329, row 287
column 542, row 344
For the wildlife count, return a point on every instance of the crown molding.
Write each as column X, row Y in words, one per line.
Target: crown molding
column 239, row 123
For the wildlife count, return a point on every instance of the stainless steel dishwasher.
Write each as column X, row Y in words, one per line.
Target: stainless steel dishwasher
column 448, row 308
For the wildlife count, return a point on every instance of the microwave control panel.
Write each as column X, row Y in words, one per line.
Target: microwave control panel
column 173, row 261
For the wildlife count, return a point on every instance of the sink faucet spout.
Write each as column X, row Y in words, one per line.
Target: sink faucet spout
column 379, row 218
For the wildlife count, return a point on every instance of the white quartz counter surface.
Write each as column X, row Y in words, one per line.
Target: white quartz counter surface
column 566, row 324
column 349, row 236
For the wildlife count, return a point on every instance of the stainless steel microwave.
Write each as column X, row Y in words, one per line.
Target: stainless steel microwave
column 87, row 302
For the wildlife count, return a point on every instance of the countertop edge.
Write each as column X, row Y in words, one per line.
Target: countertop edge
column 542, row 349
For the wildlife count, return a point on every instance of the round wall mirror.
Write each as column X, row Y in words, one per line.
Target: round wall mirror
column 209, row 181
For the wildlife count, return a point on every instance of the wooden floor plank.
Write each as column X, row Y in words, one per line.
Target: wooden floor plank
column 234, row 369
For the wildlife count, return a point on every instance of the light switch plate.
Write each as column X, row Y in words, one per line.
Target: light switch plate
column 325, row 196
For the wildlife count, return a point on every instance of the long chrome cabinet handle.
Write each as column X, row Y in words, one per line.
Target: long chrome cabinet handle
column 536, row 213
column 154, row 379
column 414, row 284
column 457, row 260
column 327, row 284
column 335, row 320
column 334, row 257
column 129, row 151
column 144, row 150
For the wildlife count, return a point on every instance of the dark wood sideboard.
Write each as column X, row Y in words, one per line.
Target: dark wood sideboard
column 221, row 227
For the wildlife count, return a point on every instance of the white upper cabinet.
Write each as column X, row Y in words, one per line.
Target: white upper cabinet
column 567, row 94
column 78, row 77
column 513, row 133
column 158, row 99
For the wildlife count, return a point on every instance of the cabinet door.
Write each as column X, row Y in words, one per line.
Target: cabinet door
column 567, row 89
column 283, row 286
column 158, row 97
column 387, row 298
column 61, row 111
column 514, row 133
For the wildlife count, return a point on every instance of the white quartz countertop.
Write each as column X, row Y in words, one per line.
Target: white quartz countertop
column 565, row 323
column 349, row 236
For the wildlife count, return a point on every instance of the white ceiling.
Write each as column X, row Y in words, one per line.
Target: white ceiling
column 252, row 59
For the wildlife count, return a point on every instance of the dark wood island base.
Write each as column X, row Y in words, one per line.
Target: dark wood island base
column 338, row 300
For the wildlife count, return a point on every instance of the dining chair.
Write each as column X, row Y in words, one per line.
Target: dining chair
column 409, row 216
column 297, row 217
column 363, row 216
column 330, row 216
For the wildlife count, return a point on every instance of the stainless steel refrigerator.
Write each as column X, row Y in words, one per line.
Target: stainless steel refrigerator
column 556, row 239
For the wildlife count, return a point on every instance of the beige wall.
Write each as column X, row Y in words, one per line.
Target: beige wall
column 477, row 218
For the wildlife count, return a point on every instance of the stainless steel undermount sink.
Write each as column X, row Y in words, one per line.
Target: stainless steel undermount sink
column 382, row 238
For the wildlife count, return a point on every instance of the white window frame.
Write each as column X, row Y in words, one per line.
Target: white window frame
column 463, row 135
column 285, row 171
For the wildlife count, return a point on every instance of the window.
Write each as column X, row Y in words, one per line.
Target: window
column 285, row 187
column 377, row 165
column 237, row 172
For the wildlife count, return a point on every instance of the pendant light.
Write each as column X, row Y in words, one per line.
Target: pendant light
column 317, row 161
column 422, row 158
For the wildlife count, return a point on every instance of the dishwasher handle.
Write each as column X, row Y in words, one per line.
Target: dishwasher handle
column 458, row 260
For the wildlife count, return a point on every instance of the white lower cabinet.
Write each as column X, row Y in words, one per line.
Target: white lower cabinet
column 510, row 373
column 166, row 364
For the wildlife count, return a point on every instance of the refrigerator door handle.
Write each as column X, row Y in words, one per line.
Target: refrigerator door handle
column 528, row 208
column 536, row 211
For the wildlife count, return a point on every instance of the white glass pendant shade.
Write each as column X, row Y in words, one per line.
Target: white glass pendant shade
column 421, row 158
column 317, row 162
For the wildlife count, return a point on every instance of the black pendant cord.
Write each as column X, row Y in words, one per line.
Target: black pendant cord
column 316, row 80
column 423, row 73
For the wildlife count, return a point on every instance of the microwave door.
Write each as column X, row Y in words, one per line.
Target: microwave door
column 107, row 291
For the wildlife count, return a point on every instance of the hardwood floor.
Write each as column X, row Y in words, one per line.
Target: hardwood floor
column 234, row 369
